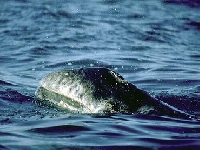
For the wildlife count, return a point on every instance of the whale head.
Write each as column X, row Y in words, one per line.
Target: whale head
column 90, row 90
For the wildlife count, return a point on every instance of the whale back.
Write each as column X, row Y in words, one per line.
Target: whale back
column 99, row 90
column 123, row 96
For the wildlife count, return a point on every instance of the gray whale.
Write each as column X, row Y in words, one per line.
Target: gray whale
column 100, row 90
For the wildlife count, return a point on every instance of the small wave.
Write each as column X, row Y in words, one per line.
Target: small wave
column 195, row 56
column 195, row 24
column 42, row 50
column 14, row 96
column 60, row 129
column 5, row 83
column 111, row 2
column 73, row 64
column 190, row 3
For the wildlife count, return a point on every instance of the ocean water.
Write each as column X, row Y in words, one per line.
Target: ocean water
column 153, row 44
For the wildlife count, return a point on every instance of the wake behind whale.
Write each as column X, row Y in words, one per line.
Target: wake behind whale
column 100, row 90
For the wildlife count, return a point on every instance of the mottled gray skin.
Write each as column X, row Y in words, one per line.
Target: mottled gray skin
column 110, row 84
column 124, row 97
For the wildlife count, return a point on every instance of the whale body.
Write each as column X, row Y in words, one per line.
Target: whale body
column 100, row 90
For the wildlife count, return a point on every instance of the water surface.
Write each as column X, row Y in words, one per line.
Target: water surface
column 153, row 44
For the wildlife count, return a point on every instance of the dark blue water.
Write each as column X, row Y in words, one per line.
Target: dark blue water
column 153, row 44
